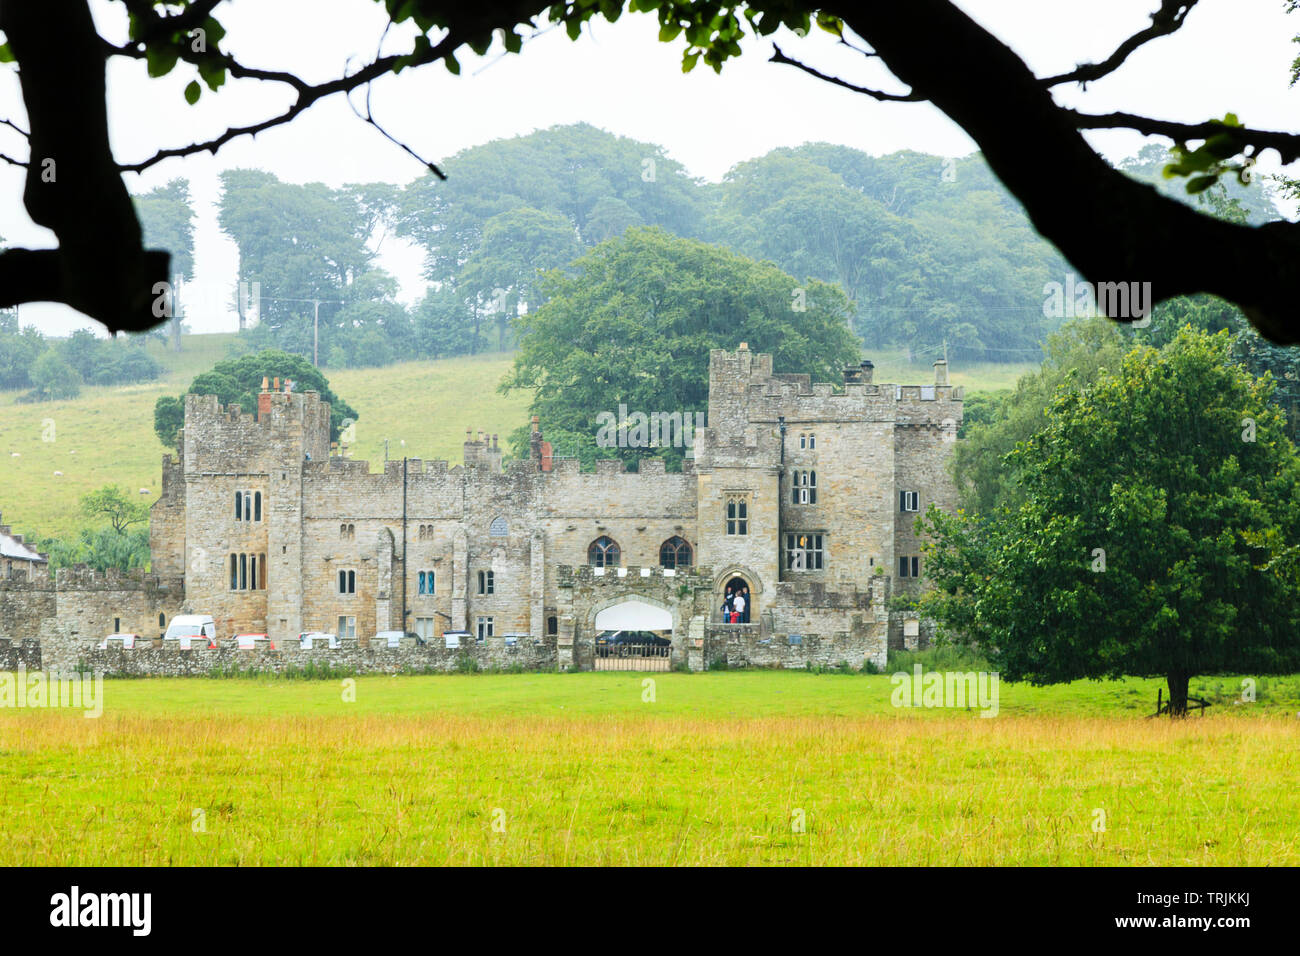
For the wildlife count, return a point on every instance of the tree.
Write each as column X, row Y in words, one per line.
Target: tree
column 304, row 243
column 1156, row 537
column 634, row 320
column 167, row 219
column 115, row 505
column 599, row 183
column 53, row 379
column 931, row 250
column 936, row 51
column 239, row 380
column 516, row 246
column 19, row 349
column 1074, row 358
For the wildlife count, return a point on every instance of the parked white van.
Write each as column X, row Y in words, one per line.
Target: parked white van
column 186, row 628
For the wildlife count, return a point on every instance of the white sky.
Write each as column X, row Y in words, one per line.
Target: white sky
column 1232, row 55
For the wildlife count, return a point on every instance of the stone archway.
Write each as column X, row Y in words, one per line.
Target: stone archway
column 641, row 619
column 736, row 576
column 583, row 592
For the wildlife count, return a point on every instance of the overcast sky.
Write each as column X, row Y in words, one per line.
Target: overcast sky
column 1232, row 55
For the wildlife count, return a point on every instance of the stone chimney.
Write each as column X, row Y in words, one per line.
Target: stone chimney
column 264, row 399
column 941, row 372
column 475, row 449
column 868, row 369
column 535, row 439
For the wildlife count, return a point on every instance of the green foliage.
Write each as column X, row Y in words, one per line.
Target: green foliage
column 52, row 378
column 1075, row 358
column 115, row 505
column 239, row 380
column 100, row 548
column 119, row 361
column 307, row 243
column 19, row 349
column 167, row 218
column 1153, row 535
column 931, row 251
column 635, row 320
column 514, row 205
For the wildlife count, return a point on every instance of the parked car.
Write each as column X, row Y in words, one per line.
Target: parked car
column 128, row 640
column 191, row 630
column 394, row 639
column 619, row 642
column 451, row 639
column 308, row 639
column 246, row 641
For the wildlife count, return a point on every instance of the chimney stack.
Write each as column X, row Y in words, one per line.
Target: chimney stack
column 868, row 371
column 941, row 372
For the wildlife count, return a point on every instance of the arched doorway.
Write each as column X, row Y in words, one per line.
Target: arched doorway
column 737, row 603
column 633, row 635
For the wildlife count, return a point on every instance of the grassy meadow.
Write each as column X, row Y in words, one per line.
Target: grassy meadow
column 106, row 436
column 693, row 769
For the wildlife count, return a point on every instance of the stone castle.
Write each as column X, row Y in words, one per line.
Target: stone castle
column 806, row 494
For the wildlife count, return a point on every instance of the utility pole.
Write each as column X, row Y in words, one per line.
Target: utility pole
column 315, row 328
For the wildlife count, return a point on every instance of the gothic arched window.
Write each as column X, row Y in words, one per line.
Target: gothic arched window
column 675, row 553
column 603, row 553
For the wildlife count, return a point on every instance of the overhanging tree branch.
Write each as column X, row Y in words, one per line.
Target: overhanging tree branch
column 1166, row 20
column 1108, row 225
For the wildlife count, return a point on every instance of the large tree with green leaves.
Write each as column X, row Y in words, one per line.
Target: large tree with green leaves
column 633, row 322
column 239, row 380
column 1156, row 536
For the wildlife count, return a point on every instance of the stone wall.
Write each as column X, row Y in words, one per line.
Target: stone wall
column 155, row 660
column 745, row 645
column 25, row 654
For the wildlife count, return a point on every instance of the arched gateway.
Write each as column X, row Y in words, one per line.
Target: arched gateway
column 608, row 616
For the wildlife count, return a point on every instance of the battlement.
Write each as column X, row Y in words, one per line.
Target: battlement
column 570, row 576
column 84, row 578
column 287, row 426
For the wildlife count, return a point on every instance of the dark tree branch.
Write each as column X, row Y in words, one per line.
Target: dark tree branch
column 368, row 117
column 1111, row 227
column 1286, row 144
column 73, row 188
column 779, row 57
column 1164, row 21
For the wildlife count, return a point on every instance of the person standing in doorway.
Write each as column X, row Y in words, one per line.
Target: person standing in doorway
column 738, row 602
column 744, row 597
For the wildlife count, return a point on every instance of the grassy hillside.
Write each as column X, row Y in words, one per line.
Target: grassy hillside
column 106, row 435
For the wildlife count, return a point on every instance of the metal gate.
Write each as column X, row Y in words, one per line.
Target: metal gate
column 633, row 657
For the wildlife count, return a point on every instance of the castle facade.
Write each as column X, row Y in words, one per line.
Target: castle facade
column 804, row 494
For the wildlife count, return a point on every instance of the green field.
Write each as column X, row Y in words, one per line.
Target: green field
column 717, row 768
column 106, row 435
